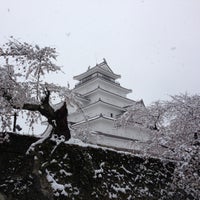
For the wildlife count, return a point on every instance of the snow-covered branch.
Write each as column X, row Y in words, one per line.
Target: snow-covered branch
column 22, row 85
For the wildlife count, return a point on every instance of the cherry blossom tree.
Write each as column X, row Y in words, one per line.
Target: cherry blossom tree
column 182, row 132
column 22, row 70
column 178, row 122
column 175, row 129
column 138, row 114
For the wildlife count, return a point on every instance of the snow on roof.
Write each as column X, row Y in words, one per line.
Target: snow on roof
column 105, row 66
column 102, row 67
column 115, row 84
column 106, row 91
column 82, row 97
column 100, row 116
column 139, row 103
column 105, row 103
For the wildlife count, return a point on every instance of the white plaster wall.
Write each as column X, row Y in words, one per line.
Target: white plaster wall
column 109, row 98
column 71, row 109
column 89, row 86
column 112, row 88
column 99, row 125
column 103, row 140
column 104, row 126
column 107, row 126
column 93, row 111
column 101, row 108
column 94, row 97
column 76, row 117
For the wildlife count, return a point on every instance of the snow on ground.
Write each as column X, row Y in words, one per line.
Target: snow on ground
column 57, row 188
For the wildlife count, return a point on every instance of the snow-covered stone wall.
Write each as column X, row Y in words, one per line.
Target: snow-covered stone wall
column 73, row 170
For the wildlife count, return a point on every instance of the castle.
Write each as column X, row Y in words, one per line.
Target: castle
column 103, row 101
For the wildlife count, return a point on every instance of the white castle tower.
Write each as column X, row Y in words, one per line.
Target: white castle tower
column 103, row 101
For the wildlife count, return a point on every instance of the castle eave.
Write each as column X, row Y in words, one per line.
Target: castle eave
column 98, row 117
column 106, row 104
column 106, row 91
column 104, row 80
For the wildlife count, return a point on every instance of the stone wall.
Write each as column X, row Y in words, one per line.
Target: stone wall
column 61, row 171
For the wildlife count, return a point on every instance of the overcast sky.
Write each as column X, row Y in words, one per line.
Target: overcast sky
column 153, row 44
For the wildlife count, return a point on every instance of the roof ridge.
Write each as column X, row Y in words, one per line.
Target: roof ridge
column 104, row 63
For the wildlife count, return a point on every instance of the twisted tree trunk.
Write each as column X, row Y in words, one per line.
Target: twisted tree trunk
column 56, row 118
column 61, row 127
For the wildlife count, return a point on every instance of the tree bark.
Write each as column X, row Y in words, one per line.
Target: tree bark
column 58, row 118
column 61, row 122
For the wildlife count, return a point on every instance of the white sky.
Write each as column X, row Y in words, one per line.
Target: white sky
column 153, row 44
